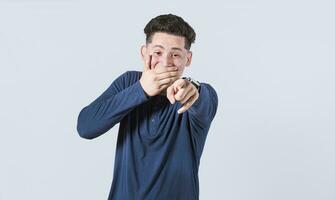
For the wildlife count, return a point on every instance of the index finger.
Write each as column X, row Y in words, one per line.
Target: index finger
column 147, row 65
column 188, row 104
column 166, row 70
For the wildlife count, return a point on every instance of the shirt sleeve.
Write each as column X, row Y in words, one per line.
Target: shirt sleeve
column 110, row 107
column 203, row 110
column 201, row 114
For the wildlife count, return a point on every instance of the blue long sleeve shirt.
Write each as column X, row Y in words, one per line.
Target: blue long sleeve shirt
column 158, row 150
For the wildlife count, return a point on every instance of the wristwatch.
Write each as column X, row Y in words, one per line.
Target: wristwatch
column 194, row 82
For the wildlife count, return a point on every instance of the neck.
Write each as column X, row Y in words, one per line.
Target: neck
column 163, row 93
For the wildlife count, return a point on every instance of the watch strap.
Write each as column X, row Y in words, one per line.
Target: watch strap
column 194, row 82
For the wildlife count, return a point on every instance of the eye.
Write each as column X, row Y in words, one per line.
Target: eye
column 157, row 53
column 176, row 55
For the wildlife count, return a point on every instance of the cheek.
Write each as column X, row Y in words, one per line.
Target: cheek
column 179, row 62
column 154, row 61
column 181, row 70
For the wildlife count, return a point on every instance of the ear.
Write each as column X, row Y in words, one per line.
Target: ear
column 143, row 51
column 189, row 58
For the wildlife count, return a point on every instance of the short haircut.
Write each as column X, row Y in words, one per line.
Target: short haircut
column 170, row 24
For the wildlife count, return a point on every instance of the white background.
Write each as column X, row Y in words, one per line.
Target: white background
column 272, row 65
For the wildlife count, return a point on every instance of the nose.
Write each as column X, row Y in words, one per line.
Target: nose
column 166, row 60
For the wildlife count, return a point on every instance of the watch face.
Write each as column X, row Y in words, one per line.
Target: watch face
column 194, row 82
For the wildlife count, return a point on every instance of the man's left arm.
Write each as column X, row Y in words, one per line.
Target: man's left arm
column 201, row 102
column 205, row 107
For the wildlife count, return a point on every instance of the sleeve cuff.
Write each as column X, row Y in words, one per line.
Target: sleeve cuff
column 140, row 91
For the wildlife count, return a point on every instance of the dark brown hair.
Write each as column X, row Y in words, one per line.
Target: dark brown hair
column 171, row 24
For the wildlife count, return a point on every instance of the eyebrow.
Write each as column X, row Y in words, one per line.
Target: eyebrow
column 174, row 48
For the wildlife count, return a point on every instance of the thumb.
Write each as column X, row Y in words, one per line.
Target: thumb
column 147, row 64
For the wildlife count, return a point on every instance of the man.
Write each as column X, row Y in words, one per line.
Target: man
column 164, row 118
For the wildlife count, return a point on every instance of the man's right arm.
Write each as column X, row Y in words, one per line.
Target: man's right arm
column 110, row 107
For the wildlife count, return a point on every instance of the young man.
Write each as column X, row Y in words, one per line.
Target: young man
column 164, row 118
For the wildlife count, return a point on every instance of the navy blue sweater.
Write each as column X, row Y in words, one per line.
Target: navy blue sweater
column 158, row 150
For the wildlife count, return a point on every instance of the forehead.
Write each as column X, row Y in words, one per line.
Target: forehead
column 167, row 41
